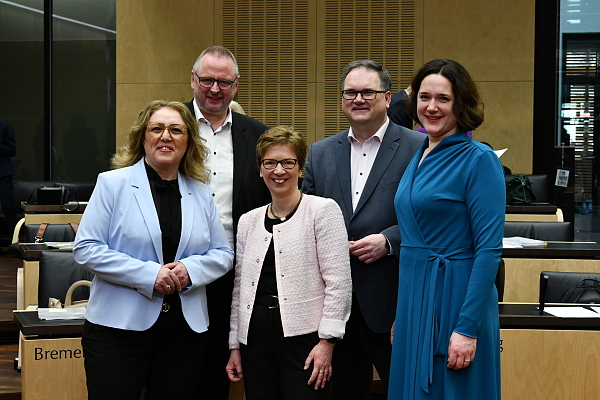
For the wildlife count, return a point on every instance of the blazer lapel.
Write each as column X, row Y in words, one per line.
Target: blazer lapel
column 240, row 153
column 143, row 195
column 342, row 164
column 187, row 213
column 385, row 155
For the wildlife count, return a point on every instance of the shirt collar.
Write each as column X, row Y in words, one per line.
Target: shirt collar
column 200, row 117
column 379, row 134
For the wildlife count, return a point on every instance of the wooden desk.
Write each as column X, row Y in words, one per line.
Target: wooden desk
column 52, row 359
column 534, row 213
column 523, row 266
column 548, row 358
column 77, row 207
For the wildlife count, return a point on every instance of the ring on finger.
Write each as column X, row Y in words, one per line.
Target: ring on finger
column 168, row 286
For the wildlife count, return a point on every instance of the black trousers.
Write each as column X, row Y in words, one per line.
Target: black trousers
column 214, row 383
column 165, row 359
column 354, row 357
column 273, row 365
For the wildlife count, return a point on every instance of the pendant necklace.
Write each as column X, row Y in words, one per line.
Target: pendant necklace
column 288, row 214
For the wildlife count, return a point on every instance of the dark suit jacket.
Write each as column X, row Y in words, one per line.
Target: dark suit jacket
column 327, row 174
column 249, row 192
column 397, row 110
column 8, row 149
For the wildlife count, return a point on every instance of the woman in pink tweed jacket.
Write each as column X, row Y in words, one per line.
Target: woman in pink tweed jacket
column 293, row 290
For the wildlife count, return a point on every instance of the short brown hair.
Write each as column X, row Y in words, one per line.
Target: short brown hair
column 467, row 107
column 193, row 162
column 282, row 135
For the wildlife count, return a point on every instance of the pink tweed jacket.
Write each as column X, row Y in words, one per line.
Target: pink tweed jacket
column 313, row 270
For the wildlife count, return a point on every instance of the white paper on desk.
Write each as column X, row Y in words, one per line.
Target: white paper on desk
column 571, row 312
column 520, row 242
column 50, row 314
column 60, row 245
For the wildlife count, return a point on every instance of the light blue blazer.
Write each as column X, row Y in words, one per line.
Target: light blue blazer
column 119, row 240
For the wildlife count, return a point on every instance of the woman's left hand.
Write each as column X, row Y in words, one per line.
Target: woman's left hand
column 181, row 272
column 172, row 277
column 321, row 356
column 461, row 351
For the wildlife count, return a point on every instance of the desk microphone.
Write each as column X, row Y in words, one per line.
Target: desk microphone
column 543, row 286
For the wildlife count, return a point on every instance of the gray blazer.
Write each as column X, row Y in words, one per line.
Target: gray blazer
column 327, row 174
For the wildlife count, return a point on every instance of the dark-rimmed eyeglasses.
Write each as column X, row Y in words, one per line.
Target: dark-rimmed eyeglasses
column 288, row 163
column 224, row 84
column 176, row 131
column 366, row 94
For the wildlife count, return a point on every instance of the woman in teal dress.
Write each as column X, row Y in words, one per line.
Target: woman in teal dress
column 450, row 206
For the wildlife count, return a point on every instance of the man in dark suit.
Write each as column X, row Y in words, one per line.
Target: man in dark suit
column 237, row 188
column 397, row 111
column 8, row 149
column 360, row 169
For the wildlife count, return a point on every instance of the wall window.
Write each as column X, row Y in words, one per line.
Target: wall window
column 82, row 93
column 579, row 57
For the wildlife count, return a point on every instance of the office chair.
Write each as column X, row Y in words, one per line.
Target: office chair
column 569, row 287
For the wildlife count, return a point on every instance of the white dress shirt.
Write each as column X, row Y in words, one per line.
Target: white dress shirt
column 220, row 163
column 362, row 157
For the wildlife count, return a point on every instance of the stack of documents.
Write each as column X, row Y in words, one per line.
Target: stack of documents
column 50, row 314
column 518, row 242
column 573, row 312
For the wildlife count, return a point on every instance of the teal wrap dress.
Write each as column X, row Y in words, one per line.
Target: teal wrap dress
column 451, row 215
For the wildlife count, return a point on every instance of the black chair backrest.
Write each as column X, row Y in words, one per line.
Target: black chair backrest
column 58, row 271
column 500, row 280
column 549, row 231
column 540, row 184
column 53, row 233
column 78, row 191
column 569, row 287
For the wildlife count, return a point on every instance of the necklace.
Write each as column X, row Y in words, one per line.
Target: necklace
column 288, row 214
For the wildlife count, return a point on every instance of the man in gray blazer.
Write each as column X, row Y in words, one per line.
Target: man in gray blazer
column 360, row 169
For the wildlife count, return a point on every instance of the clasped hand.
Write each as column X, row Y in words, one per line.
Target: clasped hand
column 370, row 248
column 172, row 277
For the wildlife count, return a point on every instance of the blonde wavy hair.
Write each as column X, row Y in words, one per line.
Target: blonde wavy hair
column 193, row 162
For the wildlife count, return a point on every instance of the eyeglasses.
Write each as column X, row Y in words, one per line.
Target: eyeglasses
column 288, row 163
column 224, row 84
column 176, row 131
column 366, row 94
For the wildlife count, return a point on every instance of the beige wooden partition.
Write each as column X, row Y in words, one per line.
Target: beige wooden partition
column 522, row 275
column 291, row 54
column 539, row 364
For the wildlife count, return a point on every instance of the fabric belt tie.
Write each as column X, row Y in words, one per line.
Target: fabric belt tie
column 440, row 270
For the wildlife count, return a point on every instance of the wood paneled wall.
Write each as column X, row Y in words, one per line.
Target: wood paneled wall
column 292, row 52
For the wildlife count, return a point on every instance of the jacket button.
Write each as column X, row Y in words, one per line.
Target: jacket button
column 285, row 298
column 252, row 283
column 280, row 251
column 266, row 239
column 257, row 260
column 282, row 275
column 248, row 306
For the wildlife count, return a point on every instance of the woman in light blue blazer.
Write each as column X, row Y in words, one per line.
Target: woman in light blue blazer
column 152, row 236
